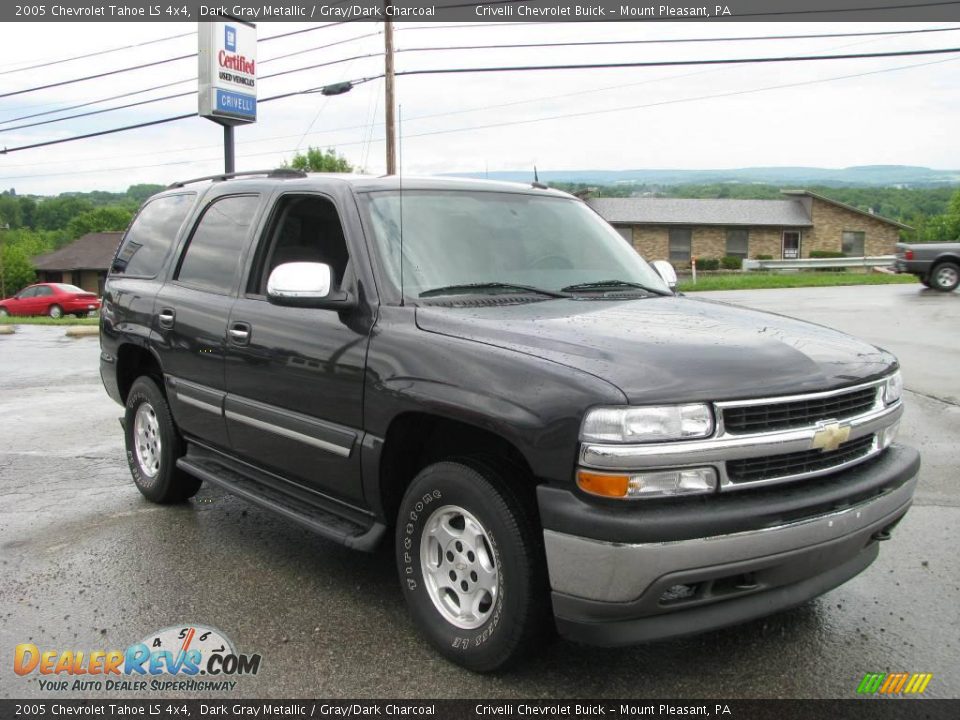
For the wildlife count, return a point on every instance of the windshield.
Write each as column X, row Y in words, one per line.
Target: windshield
column 70, row 288
column 459, row 238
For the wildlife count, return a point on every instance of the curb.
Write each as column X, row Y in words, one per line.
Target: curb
column 83, row 331
column 7, row 329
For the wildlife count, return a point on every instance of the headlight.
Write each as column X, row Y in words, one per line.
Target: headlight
column 893, row 388
column 647, row 424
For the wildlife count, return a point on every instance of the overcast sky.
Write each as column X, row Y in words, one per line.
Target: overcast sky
column 657, row 117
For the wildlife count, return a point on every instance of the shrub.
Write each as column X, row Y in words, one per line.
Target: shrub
column 708, row 264
column 763, row 257
column 729, row 262
column 826, row 254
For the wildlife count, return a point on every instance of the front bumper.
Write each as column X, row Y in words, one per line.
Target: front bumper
column 737, row 558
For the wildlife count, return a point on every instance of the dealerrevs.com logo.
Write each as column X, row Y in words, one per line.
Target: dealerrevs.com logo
column 185, row 657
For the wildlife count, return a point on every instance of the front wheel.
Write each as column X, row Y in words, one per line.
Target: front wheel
column 55, row 311
column 945, row 277
column 471, row 565
column 4, row 312
column 153, row 446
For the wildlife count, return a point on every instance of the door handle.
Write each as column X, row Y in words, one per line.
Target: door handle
column 240, row 333
column 166, row 317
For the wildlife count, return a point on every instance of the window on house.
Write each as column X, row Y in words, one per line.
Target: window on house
column 738, row 241
column 680, row 243
column 212, row 259
column 626, row 233
column 852, row 243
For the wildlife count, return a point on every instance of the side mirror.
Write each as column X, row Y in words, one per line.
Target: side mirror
column 305, row 284
column 665, row 270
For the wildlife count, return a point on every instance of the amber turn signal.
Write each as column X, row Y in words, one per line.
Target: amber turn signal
column 602, row 484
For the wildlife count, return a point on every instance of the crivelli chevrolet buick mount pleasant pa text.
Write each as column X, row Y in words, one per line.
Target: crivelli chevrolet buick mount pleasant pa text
column 489, row 377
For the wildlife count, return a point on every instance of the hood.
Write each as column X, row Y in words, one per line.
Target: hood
column 671, row 349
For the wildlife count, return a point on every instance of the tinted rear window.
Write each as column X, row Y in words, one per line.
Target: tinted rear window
column 212, row 259
column 152, row 234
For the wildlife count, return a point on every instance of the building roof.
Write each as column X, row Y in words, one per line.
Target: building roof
column 678, row 211
column 93, row 251
column 851, row 208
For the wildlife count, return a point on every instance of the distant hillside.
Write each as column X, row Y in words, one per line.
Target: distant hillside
column 861, row 176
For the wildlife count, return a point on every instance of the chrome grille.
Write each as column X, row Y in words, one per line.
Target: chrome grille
column 771, row 467
column 748, row 419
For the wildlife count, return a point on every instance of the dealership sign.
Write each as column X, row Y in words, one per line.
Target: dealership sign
column 228, row 71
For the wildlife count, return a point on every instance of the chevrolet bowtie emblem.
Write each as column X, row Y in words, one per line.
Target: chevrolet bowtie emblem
column 829, row 436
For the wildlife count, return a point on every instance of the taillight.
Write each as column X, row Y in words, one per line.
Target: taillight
column 908, row 255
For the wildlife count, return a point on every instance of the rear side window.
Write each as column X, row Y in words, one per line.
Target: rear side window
column 152, row 234
column 212, row 259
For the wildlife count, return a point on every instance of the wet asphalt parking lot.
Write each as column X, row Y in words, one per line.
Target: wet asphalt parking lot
column 87, row 563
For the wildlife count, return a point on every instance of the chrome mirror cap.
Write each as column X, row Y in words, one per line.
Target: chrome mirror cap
column 299, row 281
column 666, row 271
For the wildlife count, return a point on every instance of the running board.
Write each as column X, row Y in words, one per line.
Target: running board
column 353, row 532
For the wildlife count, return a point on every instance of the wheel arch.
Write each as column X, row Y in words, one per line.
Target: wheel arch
column 134, row 361
column 416, row 439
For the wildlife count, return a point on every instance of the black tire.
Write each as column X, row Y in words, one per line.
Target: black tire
column 945, row 276
column 55, row 311
column 924, row 280
column 161, row 482
column 519, row 616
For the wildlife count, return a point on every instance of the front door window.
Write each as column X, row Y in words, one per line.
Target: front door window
column 791, row 244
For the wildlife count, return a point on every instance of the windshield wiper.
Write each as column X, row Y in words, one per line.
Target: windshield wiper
column 495, row 286
column 610, row 285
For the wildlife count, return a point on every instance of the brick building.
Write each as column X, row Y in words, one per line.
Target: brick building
column 83, row 263
column 678, row 229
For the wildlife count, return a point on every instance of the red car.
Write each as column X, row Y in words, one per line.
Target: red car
column 53, row 299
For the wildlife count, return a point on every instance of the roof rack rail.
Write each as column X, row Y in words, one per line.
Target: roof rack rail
column 282, row 173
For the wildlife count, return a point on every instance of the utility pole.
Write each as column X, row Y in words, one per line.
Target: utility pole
column 388, row 89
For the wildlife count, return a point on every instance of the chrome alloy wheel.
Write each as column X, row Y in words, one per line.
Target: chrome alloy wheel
column 946, row 276
column 146, row 438
column 459, row 567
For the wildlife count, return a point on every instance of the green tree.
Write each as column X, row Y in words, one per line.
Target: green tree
column 99, row 220
column 317, row 160
column 18, row 271
column 56, row 213
column 142, row 191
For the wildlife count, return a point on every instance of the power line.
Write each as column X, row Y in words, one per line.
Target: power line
column 160, row 121
column 523, row 68
column 672, row 63
column 506, row 123
column 178, row 95
column 95, row 54
column 172, row 84
column 164, row 61
column 595, row 43
column 96, row 76
column 60, row 61
column 676, row 100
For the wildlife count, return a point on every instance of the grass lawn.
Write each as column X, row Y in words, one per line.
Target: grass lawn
column 755, row 280
column 44, row 320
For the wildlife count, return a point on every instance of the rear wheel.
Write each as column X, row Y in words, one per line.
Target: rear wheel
column 945, row 277
column 471, row 565
column 154, row 445
column 4, row 312
column 55, row 312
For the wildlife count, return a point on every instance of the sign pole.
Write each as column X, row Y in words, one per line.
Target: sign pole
column 229, row 164
column 227, row 56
